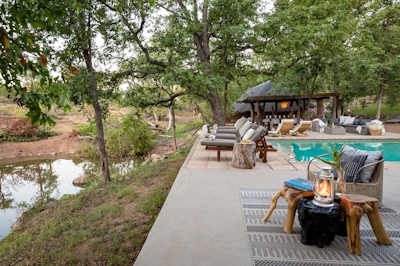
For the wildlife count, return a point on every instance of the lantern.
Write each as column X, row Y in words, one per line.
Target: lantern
column 324, row 188
column 292, row 156
column 284, row 104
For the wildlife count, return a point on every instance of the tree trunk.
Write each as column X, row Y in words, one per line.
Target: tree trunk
column 105, row 172
column 252, row 111
column 216, row 108
column 225, row 98
column 298, row 109
column 173, row 126
column 334, row 107
column 338, row 107
column 379, row 102
column 156, row 116
column 169, row 118
column 259, row 118
column 320, row 108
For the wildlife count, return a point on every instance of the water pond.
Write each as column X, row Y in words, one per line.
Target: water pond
column 25, row 182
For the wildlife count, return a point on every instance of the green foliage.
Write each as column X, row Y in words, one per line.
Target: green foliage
column 22, row 24
column 88, row 129
column 128, row 137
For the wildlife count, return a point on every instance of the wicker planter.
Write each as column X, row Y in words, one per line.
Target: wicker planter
column 375, row 132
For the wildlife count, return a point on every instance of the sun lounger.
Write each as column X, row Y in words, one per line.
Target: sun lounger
column 301, row 128
column 283, row 128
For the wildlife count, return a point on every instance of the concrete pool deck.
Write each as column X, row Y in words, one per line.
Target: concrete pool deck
column 201, row 222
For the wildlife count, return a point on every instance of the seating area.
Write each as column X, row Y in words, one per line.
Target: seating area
column 351, row 124
column 224, row 138
column 363, row 173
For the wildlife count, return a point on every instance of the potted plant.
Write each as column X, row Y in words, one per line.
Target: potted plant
column 335, row 153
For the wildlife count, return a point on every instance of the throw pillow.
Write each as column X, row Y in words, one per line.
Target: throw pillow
column 244, row 128
column 372, row 156
column 254, row 126
column 348, row 120
column 248, row 134
column 239, row 123
column 341, row 119
column 356, row 122
column 352, row 166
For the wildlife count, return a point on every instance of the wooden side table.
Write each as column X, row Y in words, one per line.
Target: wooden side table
column 244, row 155
column 354, row 206
column 292, row 197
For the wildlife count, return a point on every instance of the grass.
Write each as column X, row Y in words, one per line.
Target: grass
column 102, row 225
column 370, row 110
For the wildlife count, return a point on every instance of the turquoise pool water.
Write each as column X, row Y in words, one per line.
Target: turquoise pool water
column 306, row 150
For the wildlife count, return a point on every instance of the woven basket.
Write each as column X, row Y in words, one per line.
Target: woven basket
column 375, row 132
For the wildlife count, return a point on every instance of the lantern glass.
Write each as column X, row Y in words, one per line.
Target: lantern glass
column 324, row 188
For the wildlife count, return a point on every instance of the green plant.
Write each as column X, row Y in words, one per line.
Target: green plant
column 127, row 138
column 334, row 154
column 88, row 129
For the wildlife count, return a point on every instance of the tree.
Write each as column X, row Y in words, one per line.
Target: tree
column 78, row 27
column 23, row 51
column 200, row 46
column 308, row 40
column 374, row 65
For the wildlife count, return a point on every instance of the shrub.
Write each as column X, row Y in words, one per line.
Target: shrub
column 22, row 128
column 129, row 137
column 88, row 129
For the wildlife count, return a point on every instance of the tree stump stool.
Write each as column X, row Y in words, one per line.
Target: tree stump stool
column 292, row 197
column 354, row 206
column 244, row 155
column 318, row 224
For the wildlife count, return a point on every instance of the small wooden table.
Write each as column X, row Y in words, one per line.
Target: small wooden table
column 244, row 155
column 292, row 197
column 354, row 206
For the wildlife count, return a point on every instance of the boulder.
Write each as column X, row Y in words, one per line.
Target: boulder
column 80, row 181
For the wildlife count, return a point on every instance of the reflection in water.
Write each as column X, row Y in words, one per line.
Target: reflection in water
column 25, row 183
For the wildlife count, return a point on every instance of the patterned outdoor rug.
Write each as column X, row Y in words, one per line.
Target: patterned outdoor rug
column 270, row 245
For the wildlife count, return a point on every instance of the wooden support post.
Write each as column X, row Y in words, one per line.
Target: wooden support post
column 320, row 108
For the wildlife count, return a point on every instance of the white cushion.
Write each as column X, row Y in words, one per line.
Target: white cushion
column 348, row 120
column 342, row 118
column 248, row 134
column 239, row 123
column 244, row 128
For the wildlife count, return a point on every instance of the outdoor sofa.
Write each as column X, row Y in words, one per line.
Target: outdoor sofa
column 351, row 124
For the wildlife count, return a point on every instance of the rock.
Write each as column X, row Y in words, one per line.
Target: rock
column 156, row 157
column 73, row 133
column 80, row 181
column 16, row 224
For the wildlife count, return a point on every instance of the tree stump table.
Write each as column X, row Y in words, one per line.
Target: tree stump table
column 354, row 206
column 244, row 155
column 318, row 224
column 292, row 197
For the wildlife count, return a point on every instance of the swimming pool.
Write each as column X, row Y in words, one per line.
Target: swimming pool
column 305, row 150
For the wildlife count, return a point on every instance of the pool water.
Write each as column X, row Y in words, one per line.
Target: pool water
column 306, row 150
